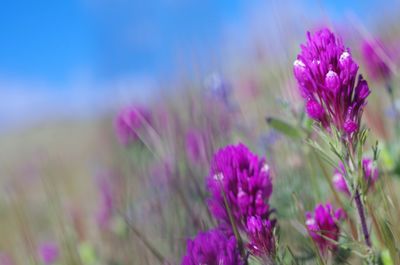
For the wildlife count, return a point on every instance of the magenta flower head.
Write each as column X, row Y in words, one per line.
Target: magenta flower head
column 373, row 52
column 244, row 179
column 214, row 247
column 323, row 226
column 371, row 175
column 326, row 75
column 261, row 236
column 49, row 253
column 129, row 121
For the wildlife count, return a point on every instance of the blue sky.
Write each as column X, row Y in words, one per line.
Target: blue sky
column 62, row 53
column 53, row 39
column 44, row 39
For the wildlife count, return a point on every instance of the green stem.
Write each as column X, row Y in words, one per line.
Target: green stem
column 234, row 227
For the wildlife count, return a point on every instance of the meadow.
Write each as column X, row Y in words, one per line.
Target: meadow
column 283, row 159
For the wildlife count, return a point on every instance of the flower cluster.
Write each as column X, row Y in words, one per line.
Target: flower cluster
column 239, row 183
column 370, row 173
column 326, row 75
column 214, row 247
column 244, row 180
column 128, row 121
column 323, row 226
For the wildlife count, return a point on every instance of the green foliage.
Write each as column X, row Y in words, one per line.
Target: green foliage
column 285, row 128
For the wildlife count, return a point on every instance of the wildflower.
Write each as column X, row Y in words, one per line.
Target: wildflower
column 219, row 88
column 195, row 146
column 261, row 235
column 105, row 212
column 48, row 253
column 129, row 121
column 323, row 226
column 213, row 247
column 372, row 52
column 5, row 259
column 339, row 181
column 371, row 174
column 326, row 76
column 244, row 180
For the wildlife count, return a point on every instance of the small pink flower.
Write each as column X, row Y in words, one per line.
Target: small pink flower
column 195, row 146
column 49, row 253
column 371, row 175
column 5, row 259
column 323, row 226
column 128, row 123
column 106, row 201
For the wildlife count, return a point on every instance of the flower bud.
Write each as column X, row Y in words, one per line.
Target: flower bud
column 371, row 172
column 332, row 81
column 315, row 110
column 345, row 59
column 350, row 126
column 299, row 69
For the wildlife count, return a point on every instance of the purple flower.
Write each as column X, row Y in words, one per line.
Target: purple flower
column 261, row 236
column 326, row 76
column 339, row 181
column 219, row 88
column 244, row 179
column 213, row 247
column 5, row 259
column 48, row 253
column 371, row 174
column 129, row 121
column 195, row 146
column 372, row 52
column 323, row 226
column 105, row 211
column 315, row 110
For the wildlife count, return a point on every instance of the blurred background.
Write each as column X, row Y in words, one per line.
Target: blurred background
column 68, row 67
column 74, row 59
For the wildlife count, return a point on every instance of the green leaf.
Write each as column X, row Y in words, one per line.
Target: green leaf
column 385, row 257
column 119, row 227
column 87, row 253
column 387, row 159
column 284, row 128
column 322, row 153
